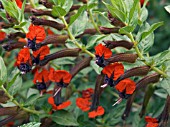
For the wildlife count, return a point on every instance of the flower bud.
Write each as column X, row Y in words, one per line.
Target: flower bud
column 122, row 57
column 39, row 21
column 14, row 45
column 106, row 30
column 59, row 54
column 123, row 43
column 46, row 3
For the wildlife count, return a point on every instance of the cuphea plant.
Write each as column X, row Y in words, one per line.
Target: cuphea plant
column 64, row 62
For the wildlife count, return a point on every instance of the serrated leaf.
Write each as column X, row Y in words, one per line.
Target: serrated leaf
column 3, row 72
column 58, row 11
column 64, row 118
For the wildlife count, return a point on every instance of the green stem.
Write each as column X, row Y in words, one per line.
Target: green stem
column 17, row 104
column 74, row 40
column 93, row 22
column 140, row 55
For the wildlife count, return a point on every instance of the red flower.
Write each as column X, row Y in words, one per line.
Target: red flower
column 41, row 77
column 58, row 107
column 83, row 104
column 23, row 57
column 102, row 50
column 87, row 93
column 142, row 2
column 36, row 33
column 126, row 86
column 10, row 124
column 2, row 36
column 50, row 32
column 42, row 52
column 19, row 3
column 152, row 122
column 114, row 70
column 60, row 76
column 98, row 112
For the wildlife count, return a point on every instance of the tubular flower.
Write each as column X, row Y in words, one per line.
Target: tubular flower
column 24, row 62
column 2, row 36
column 60, row 106
column 151, row 122
column 98, row 112
column 19, row 3
column 112, row 72
column 40, row 79
column 87, row 93
column 126, row 87
column 40, row 54
column 102, row 53
column 83, row 104
column 35, row 35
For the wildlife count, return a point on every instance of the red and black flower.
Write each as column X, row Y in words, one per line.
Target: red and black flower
column 35, row 35
column 126, row 88
column 102, row 53
column 151, row 122
column 112, row 73
column 19, row 3
column 41, row 79
column 40, row 54
column 58, row 106
column 2, row 36
column 24, row 62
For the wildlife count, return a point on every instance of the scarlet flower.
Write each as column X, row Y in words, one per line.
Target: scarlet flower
column 40, row 54
column 87, row 93
column 2, row 36
column 60, row 106
column 142, row 2
column 83, row 104
column 50, row 32
column 98, row 112
column 35, row 35
column 102, row 53
column 112, row 72
column 10, row 124
column 40, row 79
column 61, row 77
column 19, row 3
column 24, row 61
column 126, row 87
column 152, row 122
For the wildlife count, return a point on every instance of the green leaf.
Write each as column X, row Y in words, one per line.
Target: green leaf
column 132, row 10
column 67, row 5
column 93, row 40
column 78, row 26
column 91, row 5
column 31, row 124
column 96, row 67
column 151, row 29
column 120, row 5
column 77, row 15
column 167, row 8
column 3, row 72
column 31, row 100
column 16, row 86
column 3, row 15
column 64, row 118
column 116, row 12
column 15, row 75
column 160, row 58
column 165, row 84
column 143, row 15
column 126, row 29
column 58, row 11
